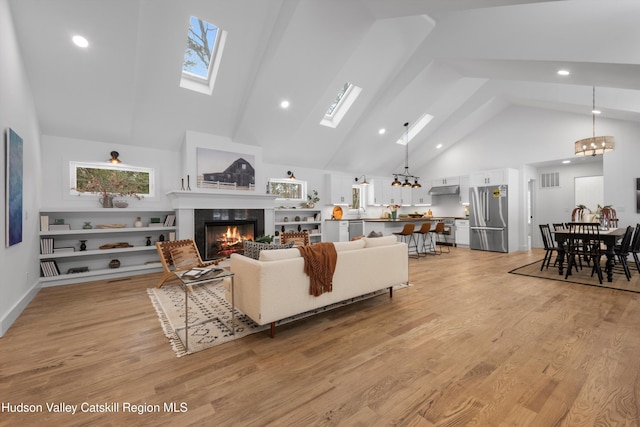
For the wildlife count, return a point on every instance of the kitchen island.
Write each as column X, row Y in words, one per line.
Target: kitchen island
column 387, row 226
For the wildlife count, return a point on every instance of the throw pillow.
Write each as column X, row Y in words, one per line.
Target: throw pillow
column 252, row 249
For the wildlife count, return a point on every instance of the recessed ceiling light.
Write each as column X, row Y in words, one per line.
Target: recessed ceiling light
column 284, row 104
column 566, row 161
column 596, row 111
column 382, row 131
column 80, row 41
column 439, row 146
column 563, row 72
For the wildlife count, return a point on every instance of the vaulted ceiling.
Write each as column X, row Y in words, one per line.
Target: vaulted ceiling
column 462, row 61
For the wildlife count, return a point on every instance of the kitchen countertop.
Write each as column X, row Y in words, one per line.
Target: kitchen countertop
column 407, row 219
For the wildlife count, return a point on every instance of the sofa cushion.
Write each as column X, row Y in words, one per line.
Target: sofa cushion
column 279, row 254
column 349, row 246
column 253, row 249
column 370, row 242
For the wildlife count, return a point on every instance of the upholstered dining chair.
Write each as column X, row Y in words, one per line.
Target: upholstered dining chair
column 299, row 238
column 178, row 255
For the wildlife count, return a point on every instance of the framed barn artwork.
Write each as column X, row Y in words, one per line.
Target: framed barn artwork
column 225, row 170
column 13, row 190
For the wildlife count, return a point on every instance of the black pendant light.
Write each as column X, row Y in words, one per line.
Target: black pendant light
column 406, row 175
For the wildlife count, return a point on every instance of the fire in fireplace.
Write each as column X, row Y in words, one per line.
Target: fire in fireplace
column 223, row 238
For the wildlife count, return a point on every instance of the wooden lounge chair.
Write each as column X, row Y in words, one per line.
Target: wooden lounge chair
column 179, row 255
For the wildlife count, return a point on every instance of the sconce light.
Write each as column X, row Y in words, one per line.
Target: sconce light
column 114, row 158
column 291, row 175
column 364, row 180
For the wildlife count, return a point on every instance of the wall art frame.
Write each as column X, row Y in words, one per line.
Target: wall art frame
column 225, row 170
column 14, row 176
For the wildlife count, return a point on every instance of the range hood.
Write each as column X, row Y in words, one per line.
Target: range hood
column 444, row 189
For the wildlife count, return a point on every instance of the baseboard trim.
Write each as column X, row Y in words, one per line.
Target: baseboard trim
column 11, row 316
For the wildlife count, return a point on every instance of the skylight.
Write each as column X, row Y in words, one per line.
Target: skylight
column 202, row 55
column 340, row 105
column 415, row 128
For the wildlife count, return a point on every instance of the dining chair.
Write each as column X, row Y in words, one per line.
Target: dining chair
column 584, row 243
column 622, row 252
column 406, row 235
column 549, row 246
column 635, row 246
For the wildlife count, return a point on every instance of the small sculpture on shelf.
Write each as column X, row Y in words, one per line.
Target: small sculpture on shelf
column 148, row 240
column 87, row 225
column 114, row 263
column 83, row 245
column 138, row 222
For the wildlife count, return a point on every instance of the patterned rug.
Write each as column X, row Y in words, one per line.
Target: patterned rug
column 209, row 312
column 583, row 277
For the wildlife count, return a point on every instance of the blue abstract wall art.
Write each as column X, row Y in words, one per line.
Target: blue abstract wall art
column 13, row 191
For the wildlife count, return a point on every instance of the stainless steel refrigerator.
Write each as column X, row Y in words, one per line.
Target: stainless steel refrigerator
column 488, row 218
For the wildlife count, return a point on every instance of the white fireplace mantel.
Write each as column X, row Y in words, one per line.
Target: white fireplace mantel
column 186, row 202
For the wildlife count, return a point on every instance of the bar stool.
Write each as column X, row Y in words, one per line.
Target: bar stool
column 406, row 235
column 424, row 231
column 441, row 239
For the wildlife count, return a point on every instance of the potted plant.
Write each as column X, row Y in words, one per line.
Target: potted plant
column 108, row 184
column 312, row 199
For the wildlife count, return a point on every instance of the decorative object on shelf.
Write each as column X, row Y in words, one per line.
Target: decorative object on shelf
column 114, row 263
column 285, row 219
column 74, row 270
column 595, row 144
column 277, row 233
column 87, row 225
column 188, row 183
column 299, row 227
column 282, row 229
column 312, row 199
column 161, row 238
column 291, row 175
column 106, row 201
column 138, row 222
column 148, row 240
column 297, row 218
column 121, row 204
column 364, row 180
column 406, row 175
column 114, row 158
column 119, row 245
column 102, row 226
column 182, row 185
column 83, row 245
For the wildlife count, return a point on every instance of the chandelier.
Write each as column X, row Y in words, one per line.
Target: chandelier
column 595, row 144
column 406, row 175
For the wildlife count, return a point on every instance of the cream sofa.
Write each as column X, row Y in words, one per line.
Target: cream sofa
column 275, row 286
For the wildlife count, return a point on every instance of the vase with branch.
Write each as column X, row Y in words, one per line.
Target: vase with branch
column 108, row 184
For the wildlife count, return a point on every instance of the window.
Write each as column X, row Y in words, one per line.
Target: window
column 202, row 55
column 288, row 189
column 356, row 198
column 340, row 105
column 97, row 178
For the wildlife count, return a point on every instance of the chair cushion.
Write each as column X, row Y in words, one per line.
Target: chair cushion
column 279, row 254
column 253, row 249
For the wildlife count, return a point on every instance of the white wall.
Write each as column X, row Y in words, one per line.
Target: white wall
column 521, row 136
column 60, row 151
column 19, row 266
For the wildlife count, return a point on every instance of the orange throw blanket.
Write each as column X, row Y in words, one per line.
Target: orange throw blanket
column 319, row 264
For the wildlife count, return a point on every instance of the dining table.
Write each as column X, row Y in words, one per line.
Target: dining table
column 608, row 236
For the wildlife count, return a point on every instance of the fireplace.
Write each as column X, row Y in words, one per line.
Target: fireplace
column 223, row 238
column 220, row 232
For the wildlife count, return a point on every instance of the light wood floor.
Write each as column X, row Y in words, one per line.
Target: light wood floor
column 468, row 344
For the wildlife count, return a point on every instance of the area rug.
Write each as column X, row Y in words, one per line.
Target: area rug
column 208, row 309
column 583, row 277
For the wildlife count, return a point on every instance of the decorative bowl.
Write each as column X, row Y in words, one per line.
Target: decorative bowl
column 121, row 204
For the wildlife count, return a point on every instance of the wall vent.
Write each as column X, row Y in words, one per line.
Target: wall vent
column 550, row 180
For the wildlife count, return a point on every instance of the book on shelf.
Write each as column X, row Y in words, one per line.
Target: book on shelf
column 49, row 268
column 172, row 236
column 156, row 225
column 170, row 220
column 46, row 245
column 59, row 227
column 44, row 222
column 64, row 249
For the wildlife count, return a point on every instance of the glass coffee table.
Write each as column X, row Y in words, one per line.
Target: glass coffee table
column 187, row 283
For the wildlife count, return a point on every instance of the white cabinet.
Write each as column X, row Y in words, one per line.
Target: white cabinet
column 376, row 192
column 421, row 196
column 439, row 182
column 464, row 190
column 462, row 232
column 491, row 177
column 112, row 229
column 299, row 220
column 340, row 189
